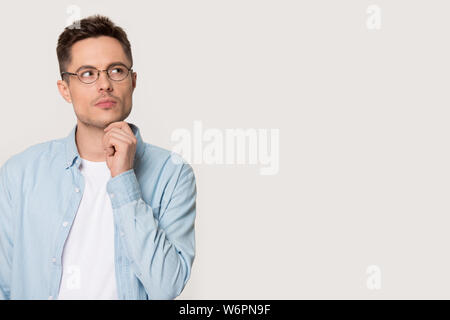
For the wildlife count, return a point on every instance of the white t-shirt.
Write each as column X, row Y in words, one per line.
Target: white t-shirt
column 88, row 256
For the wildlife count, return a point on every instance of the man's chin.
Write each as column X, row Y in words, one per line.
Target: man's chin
column 100, row 124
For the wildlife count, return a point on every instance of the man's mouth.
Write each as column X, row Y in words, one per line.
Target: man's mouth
column 106, row 103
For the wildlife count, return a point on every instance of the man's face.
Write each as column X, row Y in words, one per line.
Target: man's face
column 100, row 53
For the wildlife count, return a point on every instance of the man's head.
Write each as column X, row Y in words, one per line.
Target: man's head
column 96, row 42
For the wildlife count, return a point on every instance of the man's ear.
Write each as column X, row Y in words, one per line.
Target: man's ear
column 63, row 88
column 133, row 79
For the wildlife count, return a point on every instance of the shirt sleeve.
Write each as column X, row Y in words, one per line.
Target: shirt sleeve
column 161, row 250
column 6, row 242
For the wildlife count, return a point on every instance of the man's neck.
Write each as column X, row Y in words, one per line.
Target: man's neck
column 89, row 140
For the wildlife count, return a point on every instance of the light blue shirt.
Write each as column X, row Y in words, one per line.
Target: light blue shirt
column 154, row 209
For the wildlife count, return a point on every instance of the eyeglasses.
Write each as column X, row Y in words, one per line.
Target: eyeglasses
column 90, row 75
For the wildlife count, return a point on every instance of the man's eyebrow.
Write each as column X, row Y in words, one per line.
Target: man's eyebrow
column 84, row 67
column 109, row 65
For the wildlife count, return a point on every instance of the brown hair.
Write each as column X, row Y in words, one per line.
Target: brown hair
column 90, row 27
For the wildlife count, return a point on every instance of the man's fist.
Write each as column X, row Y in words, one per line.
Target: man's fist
column 119, row 144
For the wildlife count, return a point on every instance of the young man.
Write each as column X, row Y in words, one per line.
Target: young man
column 99, row 214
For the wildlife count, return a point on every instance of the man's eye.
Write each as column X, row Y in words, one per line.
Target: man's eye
column 117, row 70
column 87, row 73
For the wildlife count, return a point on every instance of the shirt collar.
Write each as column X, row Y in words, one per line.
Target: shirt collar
column 72, row 150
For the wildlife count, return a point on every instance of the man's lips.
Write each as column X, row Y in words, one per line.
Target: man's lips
column 105, row 103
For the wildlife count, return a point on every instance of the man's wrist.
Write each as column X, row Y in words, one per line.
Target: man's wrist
column 123, row 188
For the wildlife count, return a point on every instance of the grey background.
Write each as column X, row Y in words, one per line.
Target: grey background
column 363, row 118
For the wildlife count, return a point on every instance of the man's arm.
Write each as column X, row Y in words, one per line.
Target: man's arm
column 161, row 250
column 6, row 243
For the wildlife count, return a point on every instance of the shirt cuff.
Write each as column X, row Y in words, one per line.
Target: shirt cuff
column 123, row 188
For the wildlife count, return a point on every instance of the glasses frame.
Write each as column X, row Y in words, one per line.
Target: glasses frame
column 98, row 73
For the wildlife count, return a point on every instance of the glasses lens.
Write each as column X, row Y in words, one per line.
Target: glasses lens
column 88, row 75
column 117, row 73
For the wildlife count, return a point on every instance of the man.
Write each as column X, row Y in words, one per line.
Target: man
column 99, row 214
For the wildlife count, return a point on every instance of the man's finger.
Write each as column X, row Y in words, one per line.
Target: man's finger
column 110, row 151
column 121, row 125
column 120, row 136
column 122, row 133
column 117, row 143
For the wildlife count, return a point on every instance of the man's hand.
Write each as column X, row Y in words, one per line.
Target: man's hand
column 119, row 144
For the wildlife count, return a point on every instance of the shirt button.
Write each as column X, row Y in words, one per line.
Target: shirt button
column 111, row 195
column 65, row 223
column 50, row 297
column 53, row 259
column 77, row 190
column 122, row 234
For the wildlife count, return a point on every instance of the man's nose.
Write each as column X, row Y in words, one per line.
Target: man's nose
column 103, row 82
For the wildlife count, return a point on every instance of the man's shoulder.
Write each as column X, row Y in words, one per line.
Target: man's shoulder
column 161, row 172
column 32, row 155
column 164, row 160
